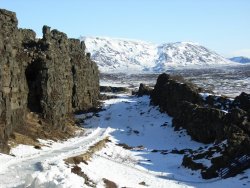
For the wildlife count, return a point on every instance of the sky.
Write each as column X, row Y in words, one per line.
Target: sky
column 220, row 25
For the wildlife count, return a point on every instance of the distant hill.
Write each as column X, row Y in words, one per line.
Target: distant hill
column 240, row 59
column 130, row 56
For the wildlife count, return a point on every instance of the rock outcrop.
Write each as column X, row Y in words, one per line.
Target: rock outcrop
column 169, row 93
column 242, row 101
column 13, row 87
column 210, row 119
column 203, row 124
column 52, row 76
column 144, row 90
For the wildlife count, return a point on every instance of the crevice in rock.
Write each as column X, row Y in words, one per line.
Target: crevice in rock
column 73, row 70
column 33, row 77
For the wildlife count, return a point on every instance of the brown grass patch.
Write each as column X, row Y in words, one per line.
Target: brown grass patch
column 86, row 156
column 78, row 171
column 125, row 146
column 36, row 127
column 143, row 183
column 109, row 184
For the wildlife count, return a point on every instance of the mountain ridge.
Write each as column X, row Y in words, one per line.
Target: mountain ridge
column 116, row 55
column 240, row 59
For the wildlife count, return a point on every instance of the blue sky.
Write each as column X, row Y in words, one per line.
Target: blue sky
column 221, row 25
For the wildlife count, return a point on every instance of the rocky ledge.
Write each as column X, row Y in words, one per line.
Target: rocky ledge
column 51, row 77
column 208, row 119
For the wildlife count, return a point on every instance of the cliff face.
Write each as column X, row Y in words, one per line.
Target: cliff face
column 13, row 87
column 206, row 119
column 52, row 77
column 85, row 77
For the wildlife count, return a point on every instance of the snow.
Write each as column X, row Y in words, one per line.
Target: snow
column 46, row 167
column 50, row 175
column 130, row 167
column 22, row 150
column 125, row 120
column 130, row 56
column 205, row 95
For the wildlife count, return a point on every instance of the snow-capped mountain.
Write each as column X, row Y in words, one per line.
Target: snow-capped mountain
column 240, row 59
column 130, row 56
column 186, row 54
column 117, row 55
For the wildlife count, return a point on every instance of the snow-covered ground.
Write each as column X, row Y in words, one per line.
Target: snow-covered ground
column 127, row 121
column 30, row 167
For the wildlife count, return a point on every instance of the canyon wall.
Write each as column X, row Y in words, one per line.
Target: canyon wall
column 52, row 76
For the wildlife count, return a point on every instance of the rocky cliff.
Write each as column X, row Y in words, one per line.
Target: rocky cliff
column 52, row 77
column 207, row 119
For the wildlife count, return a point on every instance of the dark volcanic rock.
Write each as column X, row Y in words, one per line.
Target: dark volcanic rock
column 203, row 120
column 184, row 103
column 51, row 76
column 238, row 132
column 219, row 102
column 85, row 77
column 242, row 101
column 209, row 173
column 13, row 87
column 202, row 123
column 206, row 120
column 189, row 163
column 144, row 90
column 169, row 94
column 66, row 79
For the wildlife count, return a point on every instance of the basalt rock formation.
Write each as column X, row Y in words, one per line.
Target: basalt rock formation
column 52, row 77
column 169, row 93
column 144, row 90
column 207, row 119
column 242, row 101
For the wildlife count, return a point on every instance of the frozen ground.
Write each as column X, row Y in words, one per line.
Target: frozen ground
column 128, row 121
